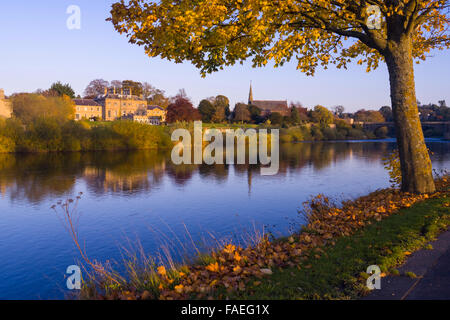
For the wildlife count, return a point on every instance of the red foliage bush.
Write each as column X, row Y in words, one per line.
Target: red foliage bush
column 182, row 110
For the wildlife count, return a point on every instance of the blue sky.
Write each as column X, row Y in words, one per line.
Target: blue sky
column 38, row 49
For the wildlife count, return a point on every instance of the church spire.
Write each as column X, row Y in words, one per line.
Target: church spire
column 250, row 95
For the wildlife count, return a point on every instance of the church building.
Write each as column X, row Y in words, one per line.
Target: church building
column 269, row 106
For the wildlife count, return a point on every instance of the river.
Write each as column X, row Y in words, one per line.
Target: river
column 141, row 196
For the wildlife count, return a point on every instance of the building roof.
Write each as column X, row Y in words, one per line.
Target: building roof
column 118, row 97
column 154, row 107
column 271, row 105
column 86, row 102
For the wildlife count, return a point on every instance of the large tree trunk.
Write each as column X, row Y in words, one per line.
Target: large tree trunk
column 414, row 158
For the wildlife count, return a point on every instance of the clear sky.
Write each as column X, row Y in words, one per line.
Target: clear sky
column 38, row 49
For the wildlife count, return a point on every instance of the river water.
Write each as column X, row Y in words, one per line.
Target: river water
column 141, row 196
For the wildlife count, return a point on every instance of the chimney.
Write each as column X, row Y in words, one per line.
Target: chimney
column 106, row 91
column 131, row 92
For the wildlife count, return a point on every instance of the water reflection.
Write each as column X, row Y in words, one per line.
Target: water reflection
column 129, row 194
column 37, row 177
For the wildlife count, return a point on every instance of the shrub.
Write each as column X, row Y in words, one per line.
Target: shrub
column 7, row 145
column 71, row 144
column 355, row 133
column 298, row 134
column 44, row 134
column 306, row 133
column 29, row 107
column 51, row 134
column 370, row 135
column 381, row 132
column 329, row 133
column 285, row 138
column 341, row 134
column 316, row 133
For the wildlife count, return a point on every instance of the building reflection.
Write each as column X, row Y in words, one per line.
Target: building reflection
column 37, row 177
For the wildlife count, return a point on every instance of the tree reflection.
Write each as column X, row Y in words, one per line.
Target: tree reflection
column 37, row 177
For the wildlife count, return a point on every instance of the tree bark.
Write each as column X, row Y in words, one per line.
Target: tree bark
column 415, row 161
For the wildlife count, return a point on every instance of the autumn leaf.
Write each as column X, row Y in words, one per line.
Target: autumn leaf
column 229, row 248
column 162, row 271
column 179, row 288
column 214, row 267
column 237, row 269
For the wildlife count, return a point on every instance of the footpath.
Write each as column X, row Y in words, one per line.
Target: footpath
column 432, row 268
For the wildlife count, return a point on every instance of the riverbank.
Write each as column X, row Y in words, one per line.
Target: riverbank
column 51, row 135
column 326, row 259
column 313, row 131
column 340, row 271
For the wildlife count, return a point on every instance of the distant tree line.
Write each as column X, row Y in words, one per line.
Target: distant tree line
column 153, row 95
column 434, row 112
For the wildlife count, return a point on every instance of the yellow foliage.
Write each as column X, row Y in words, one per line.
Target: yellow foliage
column 162, row 271
column 179, row 288
column 229, row 248
column 214, row 267
column 216, row 33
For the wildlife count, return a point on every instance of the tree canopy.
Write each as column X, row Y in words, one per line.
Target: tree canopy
column 241, row 112
column 322, row 115
column 96, row 87
column 216, row 33
column 62, row 89
column 369, row 116
column 133, row 87
column 29, row 107
column 206, row 110
column 182, row 110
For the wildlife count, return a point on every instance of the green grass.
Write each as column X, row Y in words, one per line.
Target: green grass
column 230, row 125
column 340, row 272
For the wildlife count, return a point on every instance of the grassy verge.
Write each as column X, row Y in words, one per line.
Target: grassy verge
column 339, row 272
